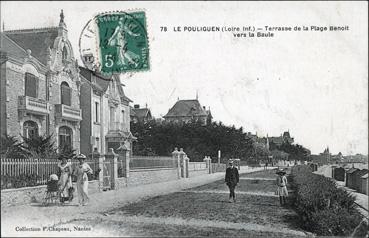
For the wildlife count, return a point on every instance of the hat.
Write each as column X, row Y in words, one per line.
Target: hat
column 81, row 156
column 230, row 162
column 281, row 171
column 54, row 177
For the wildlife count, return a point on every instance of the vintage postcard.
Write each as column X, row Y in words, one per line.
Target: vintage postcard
column 165, row 119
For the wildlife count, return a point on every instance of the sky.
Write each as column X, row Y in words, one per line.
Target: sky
column 314, row 84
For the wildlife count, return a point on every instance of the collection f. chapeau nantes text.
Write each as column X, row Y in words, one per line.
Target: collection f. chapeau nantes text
column 252, row 31
column 52, row 229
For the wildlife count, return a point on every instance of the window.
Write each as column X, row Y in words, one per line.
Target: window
column 65, row 137
column 30, row 85
column 97, row 111
column 112, row 118
column 65, row 94
column 64, row 53
column 30, row 129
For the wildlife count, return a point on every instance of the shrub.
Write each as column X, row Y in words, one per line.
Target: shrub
column 23, row 180
column 325, row 209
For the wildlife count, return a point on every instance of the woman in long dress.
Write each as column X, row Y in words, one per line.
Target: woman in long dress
column 81, row 171
column 65, row 181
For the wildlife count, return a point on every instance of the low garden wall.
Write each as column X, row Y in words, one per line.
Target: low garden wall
column 146, row 176
column 26, row 195
column 195, row 173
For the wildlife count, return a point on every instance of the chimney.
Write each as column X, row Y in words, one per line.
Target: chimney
column 137, row 106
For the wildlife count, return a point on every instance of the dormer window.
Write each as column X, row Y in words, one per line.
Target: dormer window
column 64, row 53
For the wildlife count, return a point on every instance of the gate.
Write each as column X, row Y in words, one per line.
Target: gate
column 107, row 174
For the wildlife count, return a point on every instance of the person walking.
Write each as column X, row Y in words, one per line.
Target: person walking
column 232, row 179
column 81, row 171
column 65, row 182
column 282, row 191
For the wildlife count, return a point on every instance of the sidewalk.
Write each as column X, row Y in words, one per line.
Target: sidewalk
column 35, row 215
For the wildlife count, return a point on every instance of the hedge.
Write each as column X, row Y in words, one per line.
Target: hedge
column 325, row 209
column 19, row 181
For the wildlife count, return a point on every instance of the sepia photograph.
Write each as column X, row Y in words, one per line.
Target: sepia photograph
column 184, row 119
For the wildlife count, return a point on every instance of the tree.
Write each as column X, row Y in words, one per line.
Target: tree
column 39, row 146
column 196, row 139
column 11, row 148
column 296, row 152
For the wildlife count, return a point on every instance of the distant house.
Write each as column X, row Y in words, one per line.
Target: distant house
column 285, row 138
column 142, row 115
column 185, row 111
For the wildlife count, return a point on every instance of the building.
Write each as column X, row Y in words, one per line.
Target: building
column 142, row 115
column 364, row 184
column 185, row 111
column 40, row 85
column 326, row 156
column 350, row 177
column 285, row 138
column 106, row 113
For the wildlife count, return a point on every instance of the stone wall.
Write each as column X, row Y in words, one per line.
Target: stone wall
column 145, row 176
column 20, row 196
column 195, row 173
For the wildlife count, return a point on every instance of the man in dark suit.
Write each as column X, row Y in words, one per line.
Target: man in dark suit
column 232, row 179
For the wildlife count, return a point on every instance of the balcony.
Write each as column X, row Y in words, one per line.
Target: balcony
column 68, row 113
column 33, row 105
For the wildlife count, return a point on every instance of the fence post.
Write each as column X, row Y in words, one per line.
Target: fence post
column 181, row 159
column 101, row 175
column 112, row 157
column 207, row 161
column 123, row 152
column 175, row 156
column 210, row 168
column 186, row 161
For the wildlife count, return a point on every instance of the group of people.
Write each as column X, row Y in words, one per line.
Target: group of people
column 232, row 179
column 65, row 186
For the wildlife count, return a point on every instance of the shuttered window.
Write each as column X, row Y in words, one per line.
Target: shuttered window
column 31, row 85
column 65, row 94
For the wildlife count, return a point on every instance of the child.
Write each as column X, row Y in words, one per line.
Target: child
column 52, row 184
column 282, row 191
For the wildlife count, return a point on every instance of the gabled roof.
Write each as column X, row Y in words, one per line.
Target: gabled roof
column 350, row 171
column 141, row 112
column 185, row 108
column 365, row 176
column 37, row 40
column 286, row 134
column 11, row 48
column 102, row 82
column 362, row 172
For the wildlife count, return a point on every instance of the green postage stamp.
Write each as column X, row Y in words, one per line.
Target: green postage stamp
column 121, row 43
